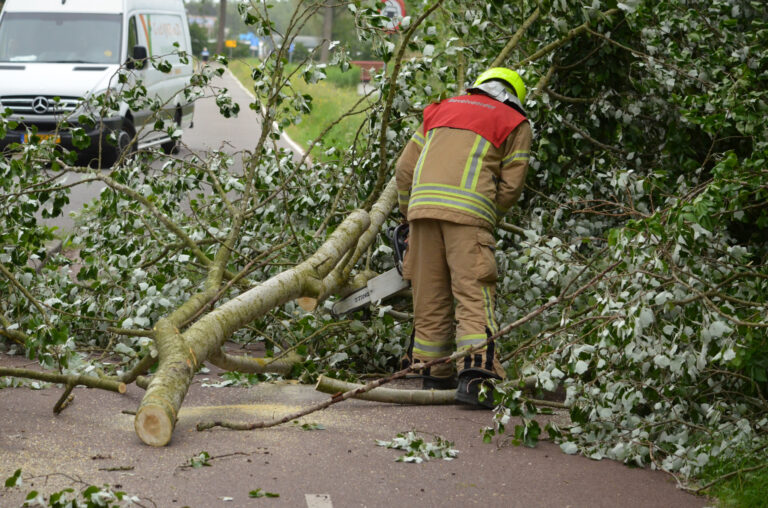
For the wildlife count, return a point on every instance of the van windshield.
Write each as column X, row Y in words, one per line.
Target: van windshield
column 60, row 37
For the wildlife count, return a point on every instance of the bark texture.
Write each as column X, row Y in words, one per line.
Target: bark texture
column 181, row 354
column 393, row 395
column 398, row 396
column 253, row 365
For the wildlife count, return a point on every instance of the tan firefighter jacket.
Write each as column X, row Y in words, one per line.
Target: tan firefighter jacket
column 466, row 163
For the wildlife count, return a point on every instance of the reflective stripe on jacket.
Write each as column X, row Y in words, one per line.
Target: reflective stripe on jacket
column 466, row 163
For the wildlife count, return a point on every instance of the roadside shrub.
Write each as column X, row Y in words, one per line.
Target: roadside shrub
column 344, row 79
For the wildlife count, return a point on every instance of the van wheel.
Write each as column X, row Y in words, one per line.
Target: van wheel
column 172, row 146
column 125, row 141
column 125, row 144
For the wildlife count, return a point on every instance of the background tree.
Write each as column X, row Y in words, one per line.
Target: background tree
column 202, row 8
column 327, row 32
column 199, row 38
column 221, row 26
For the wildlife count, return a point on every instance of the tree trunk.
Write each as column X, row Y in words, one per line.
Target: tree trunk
column 181, row 354
column 327, row 33
column 222, row 26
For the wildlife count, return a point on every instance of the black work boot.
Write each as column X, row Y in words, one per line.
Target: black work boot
column 468, row 389
column 479, row 369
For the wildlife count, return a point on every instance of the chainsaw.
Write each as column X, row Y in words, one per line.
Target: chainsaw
column 382, row 286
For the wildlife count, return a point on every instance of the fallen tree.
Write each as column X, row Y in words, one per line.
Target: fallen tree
column 648, row 179
column 182, row 353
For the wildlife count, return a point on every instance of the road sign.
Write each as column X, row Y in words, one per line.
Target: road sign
column 395, row 11
column 230, row 43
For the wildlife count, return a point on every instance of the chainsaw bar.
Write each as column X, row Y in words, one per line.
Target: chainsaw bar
column 378, row 288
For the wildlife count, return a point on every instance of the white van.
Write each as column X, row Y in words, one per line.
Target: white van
column 54, row 53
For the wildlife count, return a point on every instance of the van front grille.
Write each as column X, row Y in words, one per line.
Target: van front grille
column 30, row 105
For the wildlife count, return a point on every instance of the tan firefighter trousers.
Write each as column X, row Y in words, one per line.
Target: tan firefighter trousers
column 447, row 261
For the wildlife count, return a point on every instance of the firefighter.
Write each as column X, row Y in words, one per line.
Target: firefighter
column 460, row 172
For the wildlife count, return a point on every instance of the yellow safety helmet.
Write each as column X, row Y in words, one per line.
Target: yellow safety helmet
column 507, row 76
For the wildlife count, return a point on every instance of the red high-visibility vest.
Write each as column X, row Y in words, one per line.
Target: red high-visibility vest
column 487, row 117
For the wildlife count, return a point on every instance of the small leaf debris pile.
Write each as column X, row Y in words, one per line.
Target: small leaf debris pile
column 417, row 449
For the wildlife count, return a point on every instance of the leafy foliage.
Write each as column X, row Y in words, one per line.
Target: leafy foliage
column 256, row 493
column 202, row 459
column 740, row 481
column 637, row 259
column 418, row 450
column 15, row 382
column 511, row 403
column 90, row 496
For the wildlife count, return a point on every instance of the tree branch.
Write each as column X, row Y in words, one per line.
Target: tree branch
column 572, row 33
column 513, row 42
column 65, row 379
column 168, row 223
column 23, row 291
column 254, row 365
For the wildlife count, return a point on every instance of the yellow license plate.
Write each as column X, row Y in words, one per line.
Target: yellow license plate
column 55, row 137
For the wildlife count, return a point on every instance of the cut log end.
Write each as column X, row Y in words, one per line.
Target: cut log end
column 121, row 388
column 153, row 425
column 306, row 303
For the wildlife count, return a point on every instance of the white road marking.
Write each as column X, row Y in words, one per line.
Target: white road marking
column 318, row 500
column 294, row 146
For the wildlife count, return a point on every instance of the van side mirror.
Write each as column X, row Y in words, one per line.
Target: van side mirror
column 138, row 58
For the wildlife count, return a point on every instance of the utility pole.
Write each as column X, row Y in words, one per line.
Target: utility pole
column 222, row 25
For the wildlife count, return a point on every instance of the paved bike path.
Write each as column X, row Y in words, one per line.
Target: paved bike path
column 93, row 441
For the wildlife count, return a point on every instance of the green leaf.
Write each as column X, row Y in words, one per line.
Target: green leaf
column 262, row 493
column 14, row 480
column 200, row 460
column 532, row 432
column 87, row 493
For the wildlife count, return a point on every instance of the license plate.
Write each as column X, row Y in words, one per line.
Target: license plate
column 25, row 138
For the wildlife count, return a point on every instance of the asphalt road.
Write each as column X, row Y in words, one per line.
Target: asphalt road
column 211, row 132
column 92, row 442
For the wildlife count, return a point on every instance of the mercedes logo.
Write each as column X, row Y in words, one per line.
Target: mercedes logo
column 40, row 105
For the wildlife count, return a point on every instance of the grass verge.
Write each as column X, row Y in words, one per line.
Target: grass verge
column 744, row 482
column 329, row 103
